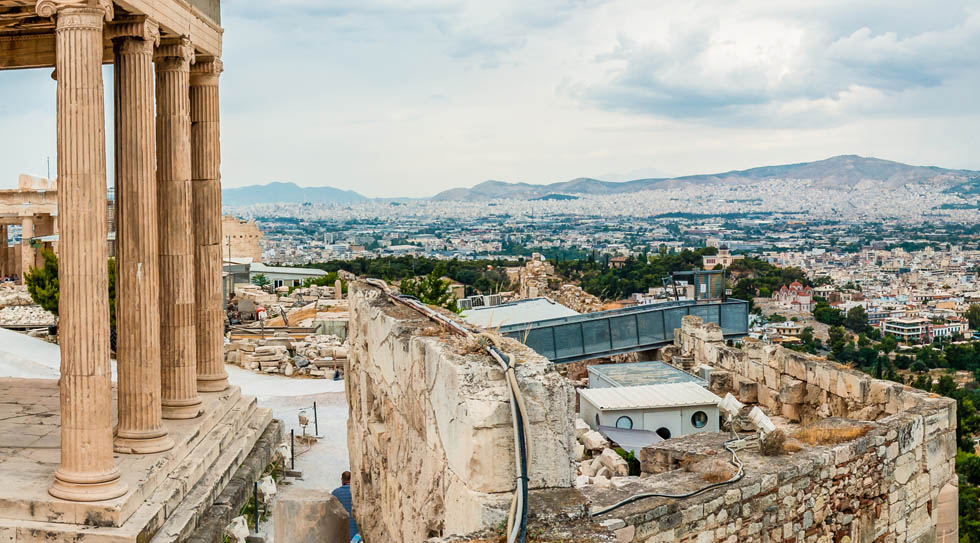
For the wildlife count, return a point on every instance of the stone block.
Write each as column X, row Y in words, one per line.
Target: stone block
column 594, row 441
column 792, row 391
column 310, row 516
column 795, row 368
column 614, row 463
column 581, row 427
column 792, row 411
column 748, row 391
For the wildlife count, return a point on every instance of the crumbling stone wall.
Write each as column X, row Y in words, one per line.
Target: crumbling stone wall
column 894, row 484
column 537, row 279
column 430, row 434
column 799, row 386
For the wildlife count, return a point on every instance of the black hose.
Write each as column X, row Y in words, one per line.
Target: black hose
column 522, row 447
column 738, row 477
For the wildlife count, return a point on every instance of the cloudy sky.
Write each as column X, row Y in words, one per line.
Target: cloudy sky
column 410, row 97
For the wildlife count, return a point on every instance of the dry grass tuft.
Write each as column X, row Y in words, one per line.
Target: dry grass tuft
column 774, row 444
column 830, row 434
column 792, row 446
column 714, row 470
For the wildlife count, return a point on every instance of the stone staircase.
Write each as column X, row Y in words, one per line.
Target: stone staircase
column 173, row 506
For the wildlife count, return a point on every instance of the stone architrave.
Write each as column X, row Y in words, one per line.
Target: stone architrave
column 87, row 471
column 177, row 337
column 206, row 174
column 140, row 428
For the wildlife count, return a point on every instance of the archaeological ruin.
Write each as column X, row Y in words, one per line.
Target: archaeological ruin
column 144, row 460
column 865, row 460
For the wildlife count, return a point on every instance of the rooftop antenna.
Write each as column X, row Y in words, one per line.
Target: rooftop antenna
column 49, row 168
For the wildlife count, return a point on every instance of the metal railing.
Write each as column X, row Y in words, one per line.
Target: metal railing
column 617, row 331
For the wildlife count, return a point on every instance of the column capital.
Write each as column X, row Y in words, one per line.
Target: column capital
column 141, row 27
column 174, row 54
column 50, row 8
column 206, row 70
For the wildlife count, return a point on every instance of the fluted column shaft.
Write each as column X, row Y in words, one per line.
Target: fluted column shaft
column 3, row 250
column 87, row 471
column 26, row 252
column 140, row 429
column 174, row 200
column 43, row 226
column 206, row 173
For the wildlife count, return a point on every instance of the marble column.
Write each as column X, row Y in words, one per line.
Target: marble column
column 26, row 251
column 87, row 471
column 3, row 250
column 206, row 172
column 177, row 337
column 43, row 226
column 140, row 429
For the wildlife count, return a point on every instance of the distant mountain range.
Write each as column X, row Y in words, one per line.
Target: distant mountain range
column 844, row 172
column 288, row 193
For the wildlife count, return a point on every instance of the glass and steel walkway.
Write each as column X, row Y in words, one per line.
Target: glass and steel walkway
column 637, row 328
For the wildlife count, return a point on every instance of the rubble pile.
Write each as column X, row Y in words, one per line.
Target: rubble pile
column 317, row 356
column 17, row 307
column 26, row 314
column 538, row 279
column 599, row 465
column 15, row 295
column 306, row 316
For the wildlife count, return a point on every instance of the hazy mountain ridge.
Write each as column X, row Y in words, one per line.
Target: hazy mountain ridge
column 289, row 193
column 845, row 172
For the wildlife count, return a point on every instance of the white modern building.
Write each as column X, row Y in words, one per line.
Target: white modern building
column 669, row 410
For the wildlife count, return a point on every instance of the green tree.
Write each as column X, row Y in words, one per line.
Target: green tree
column 923, row 382
column 838, row 338
column 919, row 367
column 973, row 315
column 888, row 344
column 42, row 283
column 260, row 280
column 431, row 289
column 857, row 319
column 827, row 315
column 946, row 386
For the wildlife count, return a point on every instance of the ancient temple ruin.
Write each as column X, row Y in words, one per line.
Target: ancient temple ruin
column 127, row 461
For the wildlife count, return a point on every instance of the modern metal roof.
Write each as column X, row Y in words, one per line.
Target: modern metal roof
column 519, row 312
column 631, row 440
column 649, row 396
column 258, row 267
column 642, row 373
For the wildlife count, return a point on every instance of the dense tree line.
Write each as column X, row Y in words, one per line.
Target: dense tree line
column 479, row 276
column 597, row 277
column 752, row 277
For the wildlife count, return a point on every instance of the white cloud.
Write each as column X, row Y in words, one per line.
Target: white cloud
column 409, row 97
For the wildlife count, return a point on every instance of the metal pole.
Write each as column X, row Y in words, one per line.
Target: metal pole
column 316, row 423
column 292, row 449
column 255, row 499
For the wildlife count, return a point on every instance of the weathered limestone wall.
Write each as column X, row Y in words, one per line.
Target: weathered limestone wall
column 243, row 237
column 896, row 483
column 798, row 386
column 430, row 434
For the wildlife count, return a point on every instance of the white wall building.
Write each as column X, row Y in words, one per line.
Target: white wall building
column 669, row 410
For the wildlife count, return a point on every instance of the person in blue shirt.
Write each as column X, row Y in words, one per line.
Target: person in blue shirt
column 342, row 493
